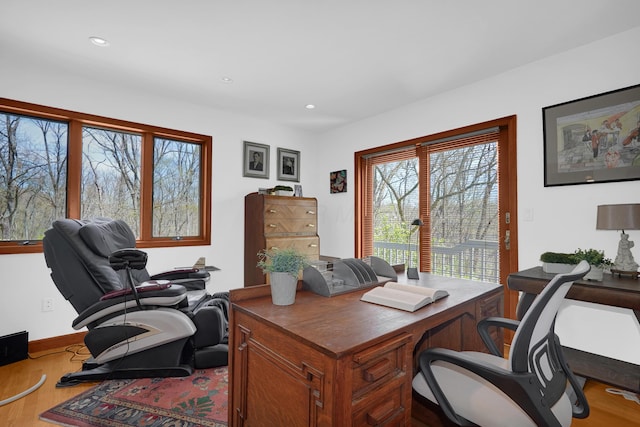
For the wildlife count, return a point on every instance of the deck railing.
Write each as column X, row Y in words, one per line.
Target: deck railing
column 473, row 259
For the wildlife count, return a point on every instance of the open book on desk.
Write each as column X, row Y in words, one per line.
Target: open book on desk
column 404, row 297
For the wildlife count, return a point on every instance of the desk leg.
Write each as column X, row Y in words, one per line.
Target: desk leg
column 524, row 302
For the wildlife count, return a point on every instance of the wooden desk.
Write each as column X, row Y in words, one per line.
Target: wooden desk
column 338, row 361
column 614, row 291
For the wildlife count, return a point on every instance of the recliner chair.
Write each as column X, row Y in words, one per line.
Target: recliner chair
column 138, row 325
column 530, row 388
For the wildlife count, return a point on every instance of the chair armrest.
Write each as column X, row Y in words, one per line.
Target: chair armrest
column 498, row 322
column 431, row 355
column 153, row 285
column 191, row 278
column 522, row 388
column 171, row 296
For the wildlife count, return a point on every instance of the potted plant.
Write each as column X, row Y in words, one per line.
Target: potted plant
column 596, row 259
column 283, row 267
column 557, row 262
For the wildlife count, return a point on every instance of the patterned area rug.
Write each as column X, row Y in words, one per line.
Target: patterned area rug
column 198, row 400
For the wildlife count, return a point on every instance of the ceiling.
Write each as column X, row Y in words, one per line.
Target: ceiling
column 351, row 58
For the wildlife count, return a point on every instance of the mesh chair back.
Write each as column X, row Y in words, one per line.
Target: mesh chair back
column 532, row 348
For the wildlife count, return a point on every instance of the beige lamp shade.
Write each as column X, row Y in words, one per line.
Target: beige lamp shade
column 618, row 217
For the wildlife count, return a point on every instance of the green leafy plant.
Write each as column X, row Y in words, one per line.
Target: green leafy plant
column 288, row 260
column 592, row 256
column 557, row 258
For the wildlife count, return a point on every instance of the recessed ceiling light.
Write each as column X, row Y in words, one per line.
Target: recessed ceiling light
column 309, row 106
column 227, row 79
column 99, row 41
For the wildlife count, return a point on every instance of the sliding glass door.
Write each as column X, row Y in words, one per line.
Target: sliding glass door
column 442, row 203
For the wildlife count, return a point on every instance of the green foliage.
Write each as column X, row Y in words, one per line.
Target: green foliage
column 592, row 256
column 287, row 260
column 390, row 231
column 557, row 258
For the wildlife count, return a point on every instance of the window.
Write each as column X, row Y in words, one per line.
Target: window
column 461, row 184
column 111, row 175
column 56, row 163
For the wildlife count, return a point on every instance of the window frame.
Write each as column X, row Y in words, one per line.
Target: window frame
column 508, row 203
column 76, row 121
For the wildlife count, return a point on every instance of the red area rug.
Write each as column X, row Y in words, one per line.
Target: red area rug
column 198, row 400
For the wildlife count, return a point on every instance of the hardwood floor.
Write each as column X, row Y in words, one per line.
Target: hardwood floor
column 606, row 409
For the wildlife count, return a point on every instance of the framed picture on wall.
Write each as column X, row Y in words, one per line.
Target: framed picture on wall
column 255, row 160
column 288, row 165
column 338, row 181
column 593, row 139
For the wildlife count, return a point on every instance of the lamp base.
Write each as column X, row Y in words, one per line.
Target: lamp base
column 412, row 273
column 633, row 274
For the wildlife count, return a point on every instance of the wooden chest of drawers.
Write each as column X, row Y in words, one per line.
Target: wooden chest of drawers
column 273, row 222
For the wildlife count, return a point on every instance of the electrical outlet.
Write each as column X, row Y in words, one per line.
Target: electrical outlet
column 47, row 304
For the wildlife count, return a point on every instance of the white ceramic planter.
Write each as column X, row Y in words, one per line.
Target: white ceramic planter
column 596, row 273
column 283, row 288
column 556, row 268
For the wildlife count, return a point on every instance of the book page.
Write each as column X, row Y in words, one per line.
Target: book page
column 434, row 294
column 409, row 301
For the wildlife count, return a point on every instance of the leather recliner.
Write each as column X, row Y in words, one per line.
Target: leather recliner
column 138, row 325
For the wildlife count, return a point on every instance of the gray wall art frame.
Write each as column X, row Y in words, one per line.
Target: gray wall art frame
column 288, row 165
column 255, row 160
column 593, row 139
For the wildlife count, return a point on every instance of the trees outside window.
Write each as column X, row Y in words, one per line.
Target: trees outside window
column 452, row 186
column 56, row 163
column 111, row 175
column 176, row 188
column 33, row 174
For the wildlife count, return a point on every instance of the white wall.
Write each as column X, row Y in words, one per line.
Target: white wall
column 563, row 217
column 25, row 278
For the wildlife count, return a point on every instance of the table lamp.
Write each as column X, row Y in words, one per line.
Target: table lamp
column 412, row 273
column 621, row 217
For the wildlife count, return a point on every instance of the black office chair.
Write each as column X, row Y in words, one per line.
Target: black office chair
column 138, row 325
column 527, row 389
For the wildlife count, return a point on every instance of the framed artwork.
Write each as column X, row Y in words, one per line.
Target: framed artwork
column 288, row 165
column 338, row 181
column 255, row 160
column 593, row 139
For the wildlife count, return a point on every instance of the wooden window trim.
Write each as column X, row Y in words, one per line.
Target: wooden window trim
column 508, row 191
column 76, row 121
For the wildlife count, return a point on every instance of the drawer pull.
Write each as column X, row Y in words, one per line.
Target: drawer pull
column 311, row 212
column 381, row 413
column 274, row 248
column 311, row 225
column 272, row 211
column 377, row 371
column 313, row 245
column 272, row 225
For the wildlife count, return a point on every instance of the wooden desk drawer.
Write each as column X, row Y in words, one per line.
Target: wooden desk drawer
column 285, row 209
column 291, row 226
column 384, row 409
column 309, row 246
column 377, row 366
